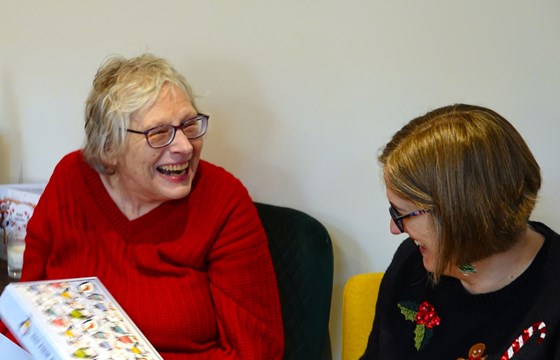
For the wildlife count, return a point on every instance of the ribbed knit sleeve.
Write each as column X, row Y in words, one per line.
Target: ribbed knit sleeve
column 234, row 263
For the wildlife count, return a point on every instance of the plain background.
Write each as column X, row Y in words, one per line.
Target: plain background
column 302, row 94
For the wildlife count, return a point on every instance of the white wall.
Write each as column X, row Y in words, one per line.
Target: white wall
column 302, row 94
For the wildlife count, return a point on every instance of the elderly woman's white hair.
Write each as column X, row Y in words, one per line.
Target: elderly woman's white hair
column 121, row 88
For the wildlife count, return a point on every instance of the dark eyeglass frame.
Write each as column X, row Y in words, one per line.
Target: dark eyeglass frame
column 398, row 219
column 203, row 118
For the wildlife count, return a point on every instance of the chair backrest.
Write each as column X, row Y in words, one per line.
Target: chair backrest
column 358, row 310
column 302, row 254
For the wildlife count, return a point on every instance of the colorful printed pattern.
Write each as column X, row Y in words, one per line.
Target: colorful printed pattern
column 425, row 318
column 88, row 321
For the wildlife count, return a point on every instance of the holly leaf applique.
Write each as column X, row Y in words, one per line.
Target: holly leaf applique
column 419, row 333
column 408, row 310
column 424, row 316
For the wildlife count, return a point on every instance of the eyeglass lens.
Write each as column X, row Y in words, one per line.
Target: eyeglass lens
column 164, row 135
column 395, row 216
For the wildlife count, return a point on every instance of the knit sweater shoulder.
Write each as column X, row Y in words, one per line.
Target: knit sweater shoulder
column 194, row 274
column 416, row 319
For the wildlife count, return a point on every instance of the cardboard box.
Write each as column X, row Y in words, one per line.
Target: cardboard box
column 72, row 319
column 17, row 202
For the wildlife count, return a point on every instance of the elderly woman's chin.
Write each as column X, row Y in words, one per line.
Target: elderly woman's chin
column 176, row 192
column 174, row 187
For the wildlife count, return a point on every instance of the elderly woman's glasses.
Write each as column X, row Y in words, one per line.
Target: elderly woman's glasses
column 161, row 136
column 398, row 218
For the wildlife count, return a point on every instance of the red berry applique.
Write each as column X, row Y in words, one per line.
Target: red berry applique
column 425, row 317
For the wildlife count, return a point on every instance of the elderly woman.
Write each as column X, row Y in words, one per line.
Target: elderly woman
column 476, row 279
column 175, row 239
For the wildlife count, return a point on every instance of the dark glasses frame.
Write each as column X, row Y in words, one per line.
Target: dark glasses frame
column 398, row 219
column 202, row 118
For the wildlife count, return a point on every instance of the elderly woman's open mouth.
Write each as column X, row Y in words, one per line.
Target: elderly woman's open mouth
column 173, row 170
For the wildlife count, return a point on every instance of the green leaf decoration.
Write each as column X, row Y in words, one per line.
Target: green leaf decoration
column 422, row 334
column 467, row 269
column 419, row 336
column 408, row 313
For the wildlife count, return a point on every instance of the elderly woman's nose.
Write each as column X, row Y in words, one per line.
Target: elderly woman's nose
column 181, row 141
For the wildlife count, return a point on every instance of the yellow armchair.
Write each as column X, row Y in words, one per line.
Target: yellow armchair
column 358, row 311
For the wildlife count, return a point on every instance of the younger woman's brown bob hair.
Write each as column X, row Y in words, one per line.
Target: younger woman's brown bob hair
column 473, row 171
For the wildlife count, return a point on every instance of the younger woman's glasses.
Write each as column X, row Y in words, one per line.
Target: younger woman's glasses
column 398, row 218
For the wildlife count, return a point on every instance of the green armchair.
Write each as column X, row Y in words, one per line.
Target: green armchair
column 302, row 254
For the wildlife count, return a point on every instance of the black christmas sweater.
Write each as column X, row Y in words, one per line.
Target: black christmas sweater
column 417, row 319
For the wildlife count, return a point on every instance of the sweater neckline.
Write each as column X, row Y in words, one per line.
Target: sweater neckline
column 521, row 287
column 113, row 213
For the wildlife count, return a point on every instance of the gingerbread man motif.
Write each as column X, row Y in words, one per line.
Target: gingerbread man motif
column 476, row 352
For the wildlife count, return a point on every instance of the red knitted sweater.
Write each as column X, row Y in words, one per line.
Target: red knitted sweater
column 194, row 274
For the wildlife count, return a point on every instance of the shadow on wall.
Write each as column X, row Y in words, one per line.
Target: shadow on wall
column 10, row 134
column 228, row 93
column 242, row 131
column 348, row 257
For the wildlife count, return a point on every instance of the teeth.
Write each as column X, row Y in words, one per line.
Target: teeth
column 417, row 243
column 174, row 168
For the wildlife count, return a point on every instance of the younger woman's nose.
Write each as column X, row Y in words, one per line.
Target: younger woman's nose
column 394, row 229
